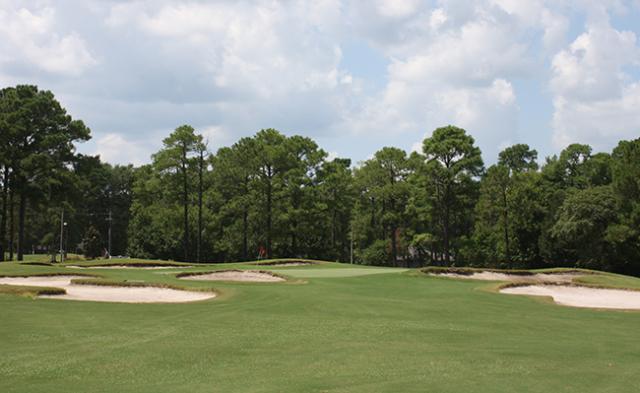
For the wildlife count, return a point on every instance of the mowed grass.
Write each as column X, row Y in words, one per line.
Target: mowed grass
column 309, row 272
column 611, row 280
column 386, row 332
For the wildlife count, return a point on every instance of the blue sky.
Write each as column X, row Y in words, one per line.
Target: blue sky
column 353, row 75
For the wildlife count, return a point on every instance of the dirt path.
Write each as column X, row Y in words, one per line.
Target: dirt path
column 101, row 293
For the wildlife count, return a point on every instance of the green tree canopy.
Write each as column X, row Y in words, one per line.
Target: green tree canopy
column 453, row 160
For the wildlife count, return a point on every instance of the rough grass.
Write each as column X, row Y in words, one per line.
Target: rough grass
column 468, row 271
column 37, row 263
column 129, row 262
column 49, row 274
column 610, row 280
column 564, row 284
column 136, row 284
column 285, row 261
column 374, row 333
column 588, row 278
column 24, row 290
column 191, row 274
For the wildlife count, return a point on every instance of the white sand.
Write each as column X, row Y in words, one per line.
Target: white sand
column 235, row 275
column 100, row 293
column 582, row 296
column 533, row 278
column 127, row 267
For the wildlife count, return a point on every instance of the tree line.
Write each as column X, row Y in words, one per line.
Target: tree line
column 272, row 195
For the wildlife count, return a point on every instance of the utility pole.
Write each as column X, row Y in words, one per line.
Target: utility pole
column 110, row 219
column 61, row 235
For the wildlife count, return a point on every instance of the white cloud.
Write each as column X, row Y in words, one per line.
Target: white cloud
column 592, row 67
column 601, row 123
column 332, row 155
column 263, row 51
column 555, row 28
column 546, row 16
column 396, row 8
column 595, row 99
column 29, row 36
column 437, row 19
column 459, row 71
column 478, row 51
column 116, row 149
column 416, row 146
column 231, row 68
column 215, row 136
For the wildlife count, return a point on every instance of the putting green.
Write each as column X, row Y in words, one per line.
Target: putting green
column 334, row 273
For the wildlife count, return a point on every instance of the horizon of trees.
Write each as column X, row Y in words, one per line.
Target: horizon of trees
column 272, row 195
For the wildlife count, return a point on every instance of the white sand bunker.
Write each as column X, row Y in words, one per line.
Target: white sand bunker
column 235, row 275
column 128, row 266
column 101, row 293
column 582, row 296
column 527, row 278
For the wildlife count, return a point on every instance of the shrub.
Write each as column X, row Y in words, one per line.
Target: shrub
column 92, row 243
column 376, row 254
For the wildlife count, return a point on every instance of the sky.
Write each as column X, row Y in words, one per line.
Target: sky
column 353, row 75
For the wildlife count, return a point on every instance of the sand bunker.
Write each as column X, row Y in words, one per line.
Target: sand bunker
column 101, row 293
column 128, row 266
column 235, row 275
column 528, row 278
column 581, row 296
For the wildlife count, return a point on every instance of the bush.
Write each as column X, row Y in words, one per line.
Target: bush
column 376, row 254
column 92, row 243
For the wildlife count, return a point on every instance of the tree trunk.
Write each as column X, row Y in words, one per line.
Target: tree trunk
column 21, row 221
column 294, row 224
column 200, row 169
column 245, row 229
column 245, row 221
column 334, row 223
column 447, row 255
column 383, row 227
column 394, row 247
column 372, row 221
column 185, row 202
column 3, row 222
column 12, row 225
column 506, row 228
column 269, row 202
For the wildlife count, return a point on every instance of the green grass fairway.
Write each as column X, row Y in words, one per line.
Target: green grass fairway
column 331, row 329
column 307, row 272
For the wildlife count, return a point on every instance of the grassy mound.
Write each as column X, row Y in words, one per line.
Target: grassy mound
column 468, row 271
column 23, row 290
column 194, row 274
column 137, row 284
column 285, row 262
column 129, row 262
